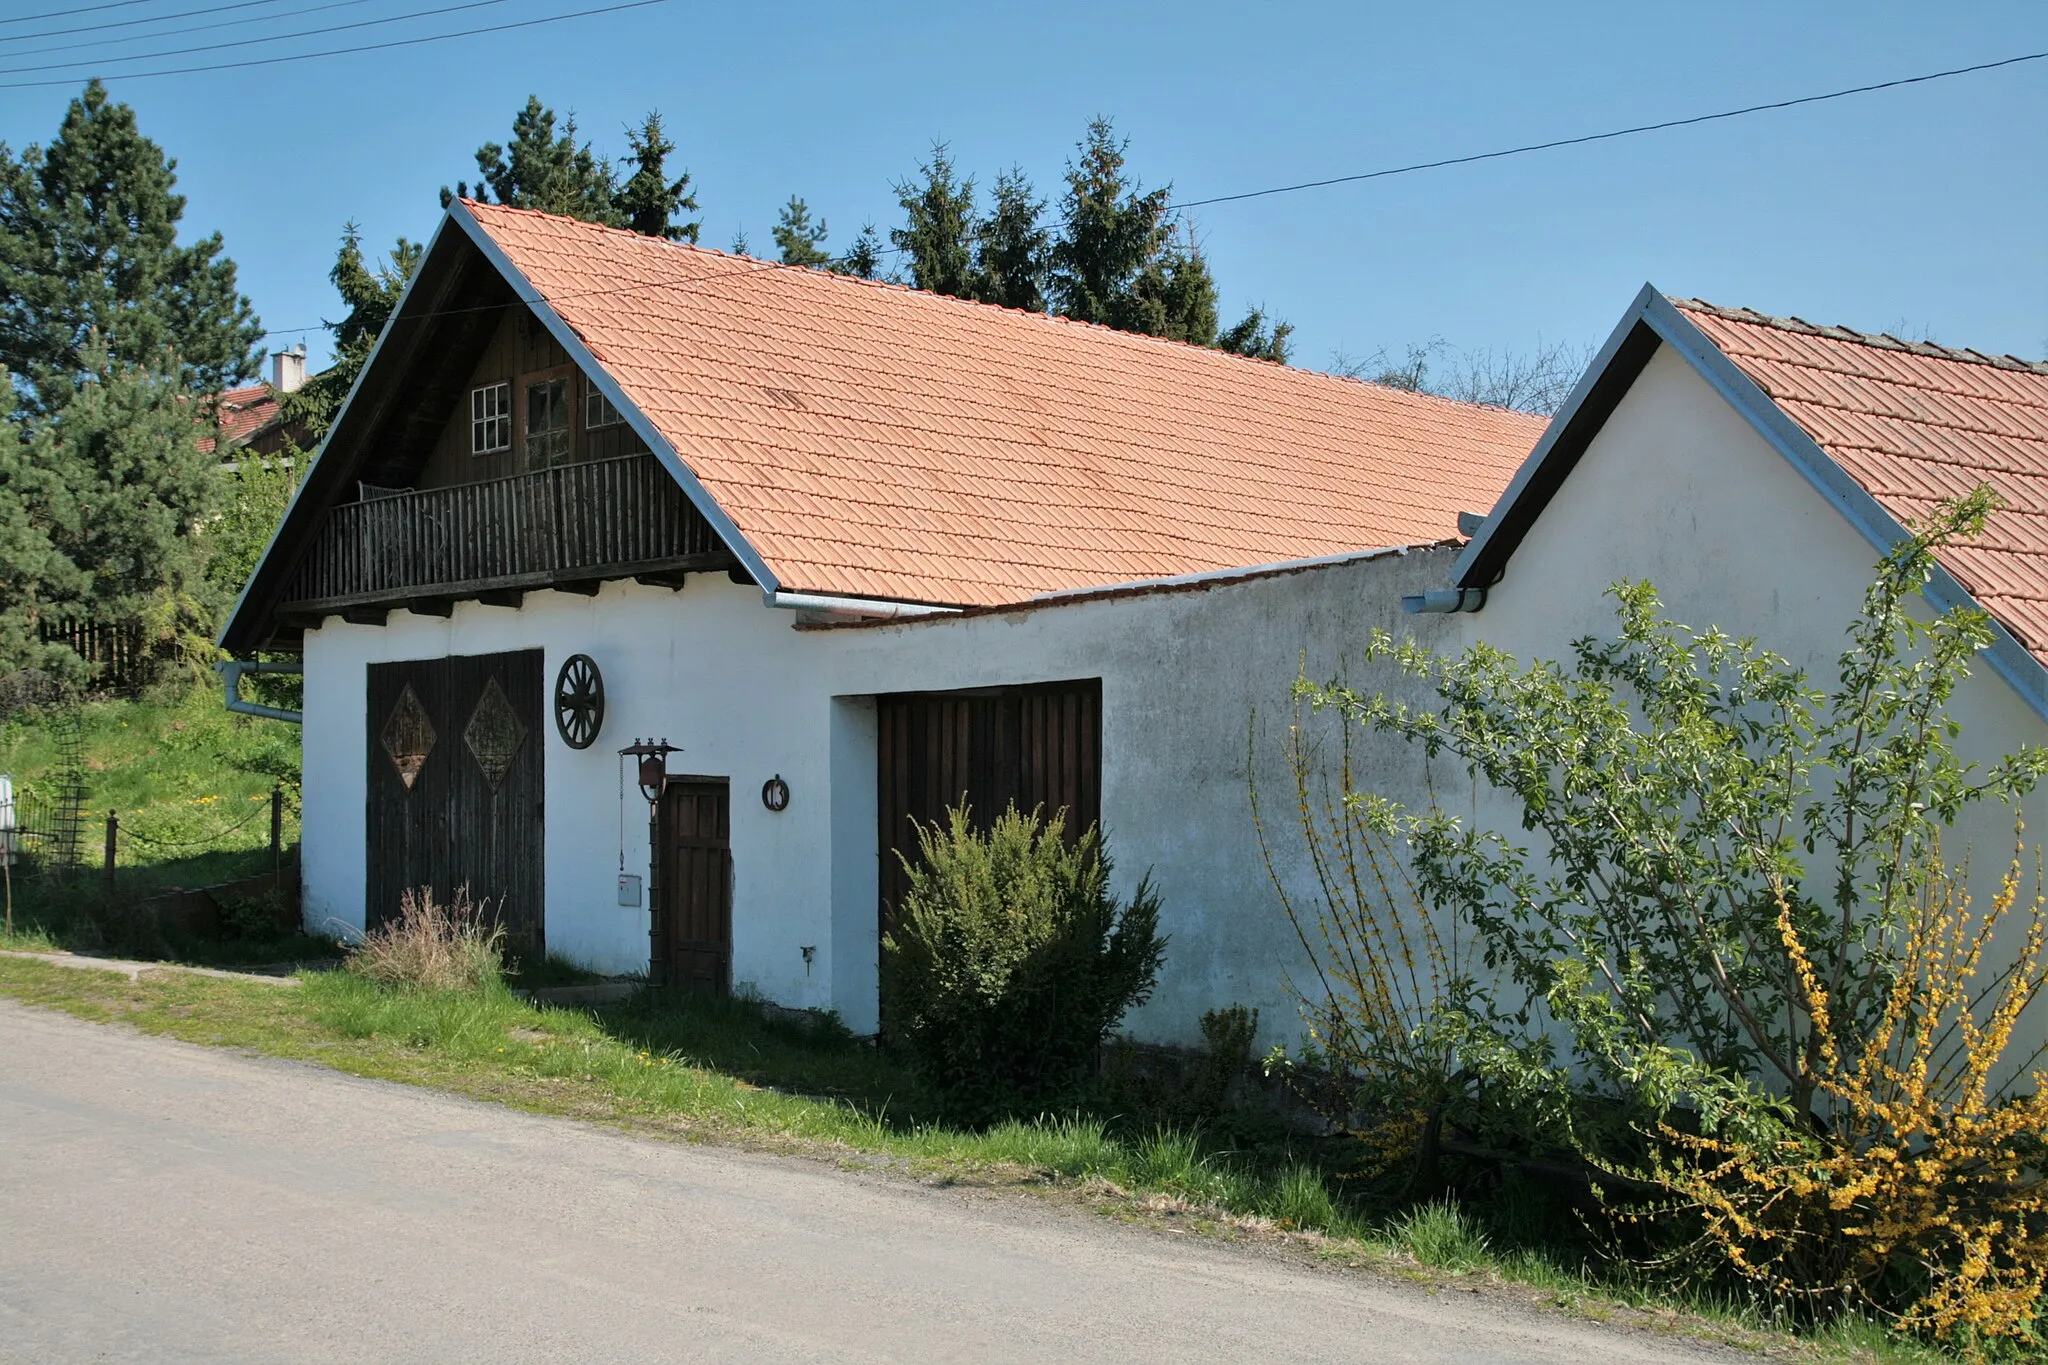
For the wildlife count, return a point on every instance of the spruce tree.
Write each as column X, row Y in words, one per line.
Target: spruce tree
column 864, row 257
column 1258, row 337
column 543, row 170
column 939, row 237
column 89, row 248
column 801, row 241
column 649, row 202
column 370, row 293
column 1110, row 231
column 1012, row 247
column 1174, row 296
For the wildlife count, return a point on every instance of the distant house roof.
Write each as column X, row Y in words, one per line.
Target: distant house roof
column 1916, row 424
column 1882, row 428
column 870, row 440
column 240, row 415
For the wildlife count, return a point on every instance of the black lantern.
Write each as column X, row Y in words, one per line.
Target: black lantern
column 653, row 765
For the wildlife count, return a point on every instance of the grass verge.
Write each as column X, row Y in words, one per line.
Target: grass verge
column 719, row 1071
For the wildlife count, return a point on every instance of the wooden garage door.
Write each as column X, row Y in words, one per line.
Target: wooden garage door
column 695, row 890
column 455, row 786
column 1034, row 746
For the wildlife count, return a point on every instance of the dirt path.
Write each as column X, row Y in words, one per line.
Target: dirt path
column 168, row 1202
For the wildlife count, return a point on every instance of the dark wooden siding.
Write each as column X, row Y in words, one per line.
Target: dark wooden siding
column 1037, row 746
column 454, row 826
column 521, row 347
column 695, row 887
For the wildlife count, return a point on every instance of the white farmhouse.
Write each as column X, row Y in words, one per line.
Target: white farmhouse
column 859, row 553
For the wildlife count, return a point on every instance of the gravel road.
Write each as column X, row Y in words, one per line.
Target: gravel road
column 161, row 1201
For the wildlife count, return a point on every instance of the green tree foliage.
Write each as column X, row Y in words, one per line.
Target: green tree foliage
column 36, row 580
column 545, row 170
column 649, row 202
column 1258, row 337
column 89, row 248
column 938, row 238
column 864, row 257
column 122, row 445
column 1111, row 230
column 1011, row 961
column 258, row 490
column 1013, row 248
column 799, row 240
column 369, row 292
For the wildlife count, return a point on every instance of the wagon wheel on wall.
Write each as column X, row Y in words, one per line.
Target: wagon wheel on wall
column 579, row 701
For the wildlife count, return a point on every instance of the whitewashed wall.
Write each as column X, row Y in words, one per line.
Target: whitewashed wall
column 747, row 696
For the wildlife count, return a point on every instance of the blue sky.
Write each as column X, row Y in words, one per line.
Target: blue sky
column 1924, row 209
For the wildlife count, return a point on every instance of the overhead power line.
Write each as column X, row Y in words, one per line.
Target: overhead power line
column 366, row 47
column 67, row 12
column 1611, row 134
column 254, row 42
column 1335, row 180
column 189, row 28
column 131, row 23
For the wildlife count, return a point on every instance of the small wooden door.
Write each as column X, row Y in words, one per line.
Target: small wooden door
column 695, row 948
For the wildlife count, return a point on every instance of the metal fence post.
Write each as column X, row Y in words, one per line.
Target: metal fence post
column 277, row 831
column 113, row 841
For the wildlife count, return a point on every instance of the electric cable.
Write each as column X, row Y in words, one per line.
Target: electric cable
column 253, row 42
column 1522, row 150
column 190, row 28
column 131, row 23
column 348, row 51
column 71, row 10
column 1614, row 133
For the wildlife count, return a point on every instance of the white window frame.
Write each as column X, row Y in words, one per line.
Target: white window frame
column 490, row 418
column 598, row 412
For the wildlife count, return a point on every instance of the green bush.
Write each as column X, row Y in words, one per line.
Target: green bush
column 1011, row 961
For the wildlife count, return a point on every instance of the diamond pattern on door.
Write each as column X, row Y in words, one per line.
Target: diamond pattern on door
column 494, row 733
column 408, row 737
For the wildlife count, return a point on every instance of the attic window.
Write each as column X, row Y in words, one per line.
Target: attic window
column 490, row 419
column 547, row 423
column 597, row 409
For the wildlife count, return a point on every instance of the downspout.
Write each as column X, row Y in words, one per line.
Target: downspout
column 231, row 680
column 1444, row 600
column 846, row 607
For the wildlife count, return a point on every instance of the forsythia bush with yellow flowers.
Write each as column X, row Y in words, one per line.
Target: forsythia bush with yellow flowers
column 1725, row 963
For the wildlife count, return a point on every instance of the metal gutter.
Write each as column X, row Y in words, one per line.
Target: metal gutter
column 1439, row 601
column 861, row 607
column 231, row 682
column 1137, row 585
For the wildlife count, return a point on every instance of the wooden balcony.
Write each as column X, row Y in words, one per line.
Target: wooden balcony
column 570, row 527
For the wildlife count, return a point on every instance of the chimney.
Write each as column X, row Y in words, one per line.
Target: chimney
column 288, row 370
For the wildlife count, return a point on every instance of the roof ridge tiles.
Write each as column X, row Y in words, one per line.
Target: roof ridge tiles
column 1883, row 341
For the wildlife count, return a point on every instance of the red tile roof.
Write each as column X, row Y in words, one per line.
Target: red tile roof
column 1915, row 424
column 871, row 440
column 242, row 413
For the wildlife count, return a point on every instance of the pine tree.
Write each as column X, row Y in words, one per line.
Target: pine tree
column 1110, row 231
column 37, row 582
column 545, row 171
column 864, row 257
column 125, row 446
column 801, row 241
column 1012, row 247
column 89, row 247
column 370, row 293
column 648, row 202
column 940, row 234
column 1174, row 295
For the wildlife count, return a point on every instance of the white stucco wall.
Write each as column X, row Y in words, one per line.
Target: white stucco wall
column 1680, row 490
column 712, row 669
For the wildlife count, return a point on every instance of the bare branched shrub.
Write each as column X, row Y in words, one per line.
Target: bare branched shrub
column 431, row 946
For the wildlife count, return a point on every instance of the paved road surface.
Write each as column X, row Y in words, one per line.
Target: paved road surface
column 160, row 1201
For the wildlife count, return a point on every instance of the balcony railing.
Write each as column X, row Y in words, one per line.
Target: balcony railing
column 576, row 523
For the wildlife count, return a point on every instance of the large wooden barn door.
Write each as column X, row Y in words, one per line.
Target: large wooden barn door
column 1035, row 746
column 696, row 884
column 455, row 790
